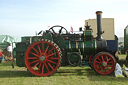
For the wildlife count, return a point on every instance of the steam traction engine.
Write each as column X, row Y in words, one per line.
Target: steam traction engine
column 42, row 55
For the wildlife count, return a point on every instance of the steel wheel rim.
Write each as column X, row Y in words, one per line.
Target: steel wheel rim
column 104, row 64
column 42, row 58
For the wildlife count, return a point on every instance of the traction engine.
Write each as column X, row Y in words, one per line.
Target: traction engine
column 42, row 55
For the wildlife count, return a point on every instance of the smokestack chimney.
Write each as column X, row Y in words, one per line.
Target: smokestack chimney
column 99, row 27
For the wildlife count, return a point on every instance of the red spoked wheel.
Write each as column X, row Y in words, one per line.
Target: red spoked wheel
column 42, row 58
column 104, row 63
column 90, row 60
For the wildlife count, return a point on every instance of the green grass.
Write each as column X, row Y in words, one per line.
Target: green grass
column 64, row 76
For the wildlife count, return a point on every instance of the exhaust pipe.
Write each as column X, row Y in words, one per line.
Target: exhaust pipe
column 99, row 27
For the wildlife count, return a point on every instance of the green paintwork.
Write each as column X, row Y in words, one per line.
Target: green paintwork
column 86, row 47
column 37, row 38
column 48, row 36
column 89, row 47
column 72, row 46
column 88, row 33
column 19, row 52
column 59, row 41
column 25, row 39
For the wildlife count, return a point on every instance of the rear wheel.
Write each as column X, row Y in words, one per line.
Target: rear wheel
column 42, row 58
column 104, row 63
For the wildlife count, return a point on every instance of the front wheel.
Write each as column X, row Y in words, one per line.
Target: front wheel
column 104, row 63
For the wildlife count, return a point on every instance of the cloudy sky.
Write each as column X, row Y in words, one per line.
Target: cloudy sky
column 24, row 17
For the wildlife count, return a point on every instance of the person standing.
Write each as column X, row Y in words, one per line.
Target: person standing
column 1, row 57
column 10, row 49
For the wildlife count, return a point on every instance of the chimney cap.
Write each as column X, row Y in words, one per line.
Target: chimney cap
column 99, row 12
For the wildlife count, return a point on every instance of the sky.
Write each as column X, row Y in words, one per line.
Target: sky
column 26, row 17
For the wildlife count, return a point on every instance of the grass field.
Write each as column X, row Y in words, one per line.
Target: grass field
column 64, row 76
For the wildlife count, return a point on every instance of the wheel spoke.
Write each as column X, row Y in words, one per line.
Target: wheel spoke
column 102, row 69
column 43, row 47
column 102, row 58
column 50, row 50
column 34, row 54
column 46, row 49
column 51, row 54
column 39, row 48
column 43, row 69
column 35, row 50
column 39, row 66
column 99, row 59
column 35, row 65
column 108, row 60
column 50, row 65
column 97, row 62
column 109, row 66
column 51, row 61
column 46, row 67
column 34, row 61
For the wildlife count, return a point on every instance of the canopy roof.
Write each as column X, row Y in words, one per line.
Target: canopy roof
column 5, row 40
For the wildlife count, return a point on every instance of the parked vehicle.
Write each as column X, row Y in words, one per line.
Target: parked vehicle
column 43, row 55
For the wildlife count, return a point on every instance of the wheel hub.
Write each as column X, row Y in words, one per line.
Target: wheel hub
column 104, row 64
column 42, row 58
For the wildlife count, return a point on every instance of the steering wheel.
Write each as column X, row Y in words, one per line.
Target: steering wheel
column 60, row 30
